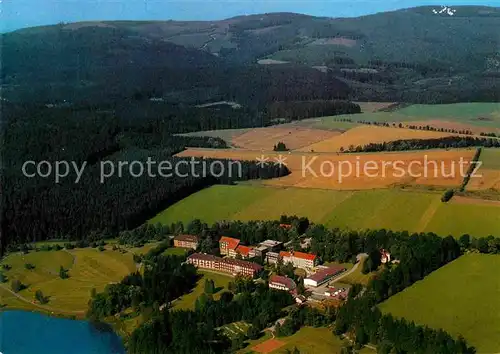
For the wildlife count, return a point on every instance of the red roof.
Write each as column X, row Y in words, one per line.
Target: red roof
column 324, row 273
column 302, row 255
column 243, row 250
column 288, row 282
column 232, row 243
column 286, row 226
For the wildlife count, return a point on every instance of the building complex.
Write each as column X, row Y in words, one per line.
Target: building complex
column 225, row 265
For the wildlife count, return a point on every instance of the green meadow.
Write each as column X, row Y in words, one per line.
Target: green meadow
column 462, row 297
column 88, row 269
column 187, row 301
column 490, row 159
column 383, row 208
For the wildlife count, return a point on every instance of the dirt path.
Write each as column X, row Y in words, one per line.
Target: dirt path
column 428, row 215
column 43, row 307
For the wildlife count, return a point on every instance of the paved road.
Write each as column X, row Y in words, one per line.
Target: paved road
column 353, row 269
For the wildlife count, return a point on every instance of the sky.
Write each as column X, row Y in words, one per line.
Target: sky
column 15, row 14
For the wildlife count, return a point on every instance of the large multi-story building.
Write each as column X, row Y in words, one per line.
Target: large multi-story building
column 281, row 283
column 186, row 241
column 226, row 265
column 299, row 259
column 227, row 244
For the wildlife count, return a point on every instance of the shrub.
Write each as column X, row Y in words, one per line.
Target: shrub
column 447, row 195
column 40, row 297
column 29, row 266
column 17, row 286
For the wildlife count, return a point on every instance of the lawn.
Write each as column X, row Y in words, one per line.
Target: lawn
column 381, row 208
column 187, row 301
column 462, row 297
column 88, row 268
column 175, row 251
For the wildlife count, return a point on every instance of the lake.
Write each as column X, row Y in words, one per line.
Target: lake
column 23, row 332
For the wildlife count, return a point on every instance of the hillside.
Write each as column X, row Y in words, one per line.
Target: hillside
column 407, row 55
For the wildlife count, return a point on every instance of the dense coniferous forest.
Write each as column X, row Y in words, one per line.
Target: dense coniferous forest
column 93, row 142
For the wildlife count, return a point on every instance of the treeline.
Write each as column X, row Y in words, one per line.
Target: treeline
column 449, row 142
column 471, row 169
column 307, row 109
column 72, row 211
column 165, row 278
column 196, row 331
column 362, row 321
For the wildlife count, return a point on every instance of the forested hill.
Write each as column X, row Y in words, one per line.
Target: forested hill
column 408, row 55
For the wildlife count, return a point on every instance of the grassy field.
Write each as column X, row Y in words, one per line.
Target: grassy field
column 386, row 208
column 308, row 340
column 462, row 298
column 88, row 268
column 474, row 219
column 490, row 159
column 223, row 204
column 187, row 301
column 460, row 113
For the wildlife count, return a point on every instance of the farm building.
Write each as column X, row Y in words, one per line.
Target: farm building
column 226, row 265
column 186, row 241
column 281, row 283
column 299, row 259
column 322, row 276
column 228, row 243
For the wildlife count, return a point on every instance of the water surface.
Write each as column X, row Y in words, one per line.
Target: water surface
column 23, row 332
